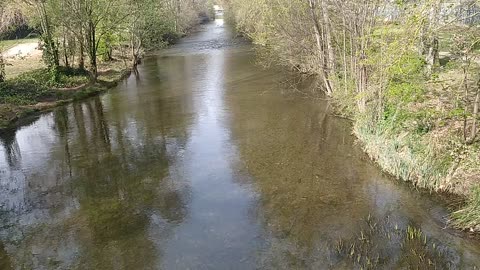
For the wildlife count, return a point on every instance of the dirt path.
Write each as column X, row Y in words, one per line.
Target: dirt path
column 22, row 58
column 23, row 50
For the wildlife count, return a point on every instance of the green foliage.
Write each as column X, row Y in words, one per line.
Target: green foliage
column 456, row 113
column 409, row 67
column 67, row 77
column 106, row 45
column 405, row 86
column 424, row 121
column 50, row 56
column 404, row 92
column 32, row 87
column 23, row 91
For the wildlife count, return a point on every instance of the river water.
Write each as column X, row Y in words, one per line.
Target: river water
column 205, row 160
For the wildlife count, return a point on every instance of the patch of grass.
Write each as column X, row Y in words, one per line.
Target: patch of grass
column 23, row 91
column 36, row 86
column 68, row 77
column 7, row 44
column 366, row 250
column 469, row 216
column 35, row 91
column 419, row 253
column 405, row 155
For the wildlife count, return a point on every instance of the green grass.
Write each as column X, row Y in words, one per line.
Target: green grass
column 364, row 250
column 469, row 216
column 409, row 157
column 7, row 44
column 24, row 94
column 36, row 86
column 398, row 146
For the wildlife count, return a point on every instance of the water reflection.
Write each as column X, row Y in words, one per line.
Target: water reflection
column 12, row 150
column 91, row 187
column 317, row 189
column 203, row 160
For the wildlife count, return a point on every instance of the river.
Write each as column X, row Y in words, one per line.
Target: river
column 206, row 160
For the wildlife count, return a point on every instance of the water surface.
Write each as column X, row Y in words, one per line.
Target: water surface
column 207, row 161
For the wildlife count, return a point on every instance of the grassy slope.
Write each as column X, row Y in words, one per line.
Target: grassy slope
column 423, row 141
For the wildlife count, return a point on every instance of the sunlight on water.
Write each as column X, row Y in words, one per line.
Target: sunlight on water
column 219, row 22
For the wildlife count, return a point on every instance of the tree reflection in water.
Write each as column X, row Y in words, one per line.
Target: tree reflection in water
column 98, row 191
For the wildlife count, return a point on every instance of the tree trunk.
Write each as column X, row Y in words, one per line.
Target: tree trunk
column 432, row 56
column 92, row 49
column 429, row 38
column 320, row 47
column 81, row 61
column 53, row 60
column 473, row 132
column 362, row 88
column 328, row 38
column 2, row 69
column 65, row 50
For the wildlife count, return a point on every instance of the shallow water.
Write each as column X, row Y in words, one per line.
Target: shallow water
column 207, row 161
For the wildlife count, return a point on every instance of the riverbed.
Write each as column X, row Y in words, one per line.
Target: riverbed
column 207, row 160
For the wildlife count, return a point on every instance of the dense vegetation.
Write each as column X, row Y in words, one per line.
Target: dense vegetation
column 406, row 72
column 76, row 31
column 80, row 37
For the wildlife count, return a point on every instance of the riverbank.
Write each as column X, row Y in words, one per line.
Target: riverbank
column 437, row 161
column 29, row 90
column 128, row 177
column 421, row 134
column 32, row 92
column 414, row 102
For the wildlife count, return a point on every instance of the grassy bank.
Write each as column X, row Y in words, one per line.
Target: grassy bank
column 437, row 160
column 424, row 133
column 409, row 80
column 429, row 162
column 34, row 92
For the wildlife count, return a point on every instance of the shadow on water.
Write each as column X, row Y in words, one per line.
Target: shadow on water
column 92, row 192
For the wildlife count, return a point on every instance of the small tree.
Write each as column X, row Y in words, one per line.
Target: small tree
column 464, row 47
column 50, row 52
